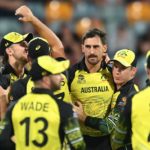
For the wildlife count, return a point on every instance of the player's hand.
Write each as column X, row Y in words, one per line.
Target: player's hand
column 13, row 138
column 3, row 102
column 25, row 14
column 107, row 59
column 78, row 108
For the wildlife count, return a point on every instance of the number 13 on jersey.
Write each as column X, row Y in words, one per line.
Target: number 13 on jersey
column 27, row 123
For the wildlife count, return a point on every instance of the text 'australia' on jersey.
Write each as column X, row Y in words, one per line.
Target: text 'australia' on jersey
column 95, row 91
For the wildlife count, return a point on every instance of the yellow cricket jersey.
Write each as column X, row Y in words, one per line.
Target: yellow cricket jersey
column 37, row 121
column 140, row 119
column 25, row 86
column 94, row 91
column 9, row 76
column 120, row 96
column 29, row 86
column 114, row 99
column 64, row 93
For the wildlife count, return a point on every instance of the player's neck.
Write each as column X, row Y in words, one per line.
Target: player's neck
column 93, row 68
column 18, row 67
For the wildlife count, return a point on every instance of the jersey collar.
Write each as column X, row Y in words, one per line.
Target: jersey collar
column 82, row 65
column 148, row 82
column 8, row 69
column 42, row 91
column 127, row 85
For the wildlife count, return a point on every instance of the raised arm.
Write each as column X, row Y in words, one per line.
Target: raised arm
column 26, row 15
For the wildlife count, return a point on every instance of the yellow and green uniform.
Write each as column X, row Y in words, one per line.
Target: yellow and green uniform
column 24, row 86
column 135, row 119
column 8, row 76
column 63, row 93
column 94, row 91
column 140, row 120
column 118, row 103
column 40, row 121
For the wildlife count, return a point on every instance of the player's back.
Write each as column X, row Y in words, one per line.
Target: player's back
column 36, row 122
column 140, row 120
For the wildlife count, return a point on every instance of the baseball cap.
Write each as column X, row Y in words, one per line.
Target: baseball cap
column 148, row 59
column 126, row 57
column 46, row 65
column 38, row 47
column 13, row 38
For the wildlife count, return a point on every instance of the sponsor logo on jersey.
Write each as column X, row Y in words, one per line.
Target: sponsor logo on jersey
column 94, row 89
column 104, row 77
column 122, row 54
column 122, row 103
column 81, row 79
column 62, row 83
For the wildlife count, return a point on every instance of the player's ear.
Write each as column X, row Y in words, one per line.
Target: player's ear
column 105, row 48
column 82, row 48
column 148, row 72
column 104, row 55
column 134, row 70
column 9, row 51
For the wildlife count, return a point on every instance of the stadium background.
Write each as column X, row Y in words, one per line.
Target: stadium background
column 127, row 23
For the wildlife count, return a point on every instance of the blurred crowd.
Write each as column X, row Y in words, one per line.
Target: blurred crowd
column 126, row 23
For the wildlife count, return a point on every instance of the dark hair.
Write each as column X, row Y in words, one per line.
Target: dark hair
column 95, row 32
column 148, row 62
column 5, row 58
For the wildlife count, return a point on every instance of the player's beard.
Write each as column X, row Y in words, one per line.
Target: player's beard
column 23, row 60
column 55, row 85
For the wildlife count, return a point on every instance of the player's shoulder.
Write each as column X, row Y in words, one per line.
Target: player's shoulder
column 4, row 80
column 143, row 92
column 18, row 88
column 64, row 107
column 22, row 81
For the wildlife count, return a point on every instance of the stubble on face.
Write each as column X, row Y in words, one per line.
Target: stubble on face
column 93, row 50
column 55, row 82
column 20, row 53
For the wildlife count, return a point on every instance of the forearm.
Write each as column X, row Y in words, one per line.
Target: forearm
column 3, row 106
column 73, row 134
column 48, row 34
column 121, row 135
column 104, row 125
column 5, row 137
column 118, row 137
column 26, row 15
column 10, row 5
